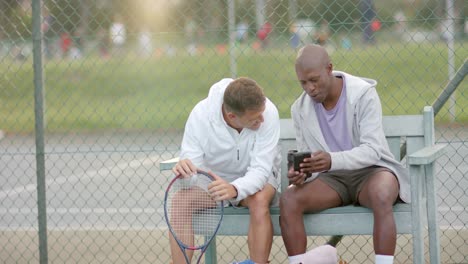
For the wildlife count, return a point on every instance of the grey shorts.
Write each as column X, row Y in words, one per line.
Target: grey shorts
column 348, row 183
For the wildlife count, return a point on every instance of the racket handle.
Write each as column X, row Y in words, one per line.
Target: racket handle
column 334, row 240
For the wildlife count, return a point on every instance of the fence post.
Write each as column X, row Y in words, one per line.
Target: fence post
column 232, row 38
column 450, row 21
column 39, row 128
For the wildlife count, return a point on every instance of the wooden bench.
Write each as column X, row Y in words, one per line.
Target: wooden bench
column 416, row 133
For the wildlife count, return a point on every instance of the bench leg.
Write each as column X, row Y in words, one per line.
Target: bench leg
column 334, row 240
column 417, row 224
column 210, row 253
column 434, row 249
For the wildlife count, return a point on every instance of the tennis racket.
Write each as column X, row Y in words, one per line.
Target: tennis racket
column 192, row 216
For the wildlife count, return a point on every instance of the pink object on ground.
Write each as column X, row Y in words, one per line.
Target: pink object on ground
column 325, row 254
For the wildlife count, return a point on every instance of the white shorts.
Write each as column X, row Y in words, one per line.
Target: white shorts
column 273, row 180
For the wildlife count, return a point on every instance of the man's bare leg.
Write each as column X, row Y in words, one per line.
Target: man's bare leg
column 309, row 197
column 380, row 193
column 185, row 215
column 176, row 252
column 260, row 236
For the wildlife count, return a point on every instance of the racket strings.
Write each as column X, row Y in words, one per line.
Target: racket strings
column 193, row 215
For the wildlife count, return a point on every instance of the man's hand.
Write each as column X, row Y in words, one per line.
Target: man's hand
column 185, row 168
column 296, row 177
column 220, row 189
column 318, row 162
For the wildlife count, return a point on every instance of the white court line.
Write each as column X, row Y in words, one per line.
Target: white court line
column 75, row 210
column 162, row 227
column 105, row 171
column 86, row 226
column 452, row 209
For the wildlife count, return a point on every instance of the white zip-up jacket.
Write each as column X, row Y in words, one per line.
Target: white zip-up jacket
column 245, row 159
column 364, row 117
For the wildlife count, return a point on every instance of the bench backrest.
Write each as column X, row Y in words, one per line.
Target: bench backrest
column 413, row 132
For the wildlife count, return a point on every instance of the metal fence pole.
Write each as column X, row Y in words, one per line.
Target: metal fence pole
column 232, row 37
column 451, row 52
column 260, row 13
column 39, row 128
column 292, row 10
column 450, row 88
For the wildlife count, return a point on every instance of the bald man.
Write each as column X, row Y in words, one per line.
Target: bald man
column 338, row 118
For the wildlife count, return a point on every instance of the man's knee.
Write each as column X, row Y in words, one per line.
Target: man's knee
column 288, row 201
column 383, row 199
column 383, row 191
column 259, row 202
column 259, row 209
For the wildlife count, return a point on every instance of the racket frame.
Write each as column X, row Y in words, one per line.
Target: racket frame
column 182, row 246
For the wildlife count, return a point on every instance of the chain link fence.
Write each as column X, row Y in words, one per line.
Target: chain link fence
column 87, row 117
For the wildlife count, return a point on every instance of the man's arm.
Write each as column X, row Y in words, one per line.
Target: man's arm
column 262, row 157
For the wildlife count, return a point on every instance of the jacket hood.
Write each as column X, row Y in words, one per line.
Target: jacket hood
column 360, row 85
column 215, row 99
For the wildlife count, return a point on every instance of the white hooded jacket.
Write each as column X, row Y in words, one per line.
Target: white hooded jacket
column 245, row 159
column 364, row 117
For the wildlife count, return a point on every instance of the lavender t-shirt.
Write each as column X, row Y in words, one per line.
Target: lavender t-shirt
column 334, row 125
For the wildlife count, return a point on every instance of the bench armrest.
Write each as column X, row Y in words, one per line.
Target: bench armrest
column 168, row 164
column 426, row 155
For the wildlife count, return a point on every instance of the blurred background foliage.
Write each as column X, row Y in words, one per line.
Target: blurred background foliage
column 91, row 15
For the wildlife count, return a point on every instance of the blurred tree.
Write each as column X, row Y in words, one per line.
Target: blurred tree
column 211, row 15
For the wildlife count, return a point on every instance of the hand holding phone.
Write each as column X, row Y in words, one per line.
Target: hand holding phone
column 295, row 158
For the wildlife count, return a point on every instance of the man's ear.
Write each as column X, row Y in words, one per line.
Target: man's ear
column 330, row 68
column 231, row 115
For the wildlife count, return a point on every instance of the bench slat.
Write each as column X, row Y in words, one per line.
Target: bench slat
column 403, row 125
column 168, row 164
column 394, row 126
column 349, row 209
column 236, row 221
column 287, row 129
column 318, row 224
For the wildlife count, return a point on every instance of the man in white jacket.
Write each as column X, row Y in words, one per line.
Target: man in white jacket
column 234, row 133
column 338, row 118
